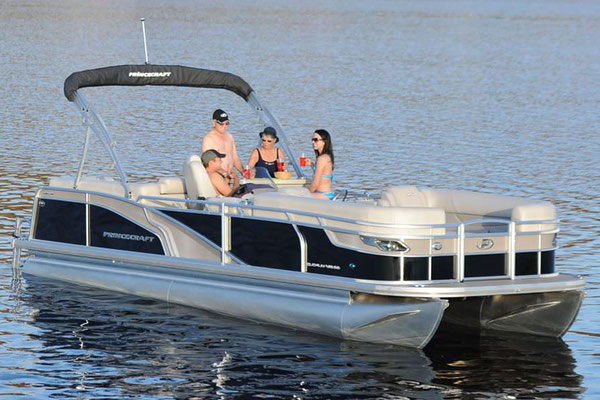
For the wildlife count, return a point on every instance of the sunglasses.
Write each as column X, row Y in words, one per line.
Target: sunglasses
column 315, row 139
column 268, row 141
column 223, row 123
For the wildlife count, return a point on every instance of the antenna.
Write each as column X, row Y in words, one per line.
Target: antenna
column 145, row 45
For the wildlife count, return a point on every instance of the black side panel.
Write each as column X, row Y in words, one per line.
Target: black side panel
column 442, row 267
column 484, row 265
column 416, row 269
column 265, row 244
column 207, row 225
column 112, row 231
column 526, row 263
column 548, row 266
column 325, row 258
column 60, row 221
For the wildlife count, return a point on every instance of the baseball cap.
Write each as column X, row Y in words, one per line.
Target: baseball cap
column 210, row 155
column 220, row 115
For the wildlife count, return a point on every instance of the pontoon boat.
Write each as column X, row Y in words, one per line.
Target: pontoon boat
column 387, row 268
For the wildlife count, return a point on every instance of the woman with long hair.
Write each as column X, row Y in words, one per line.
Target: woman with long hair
column 320, row 187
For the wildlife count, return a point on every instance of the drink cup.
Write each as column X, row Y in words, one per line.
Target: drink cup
column 302, row 161
column 280, row 166
column 247, row 172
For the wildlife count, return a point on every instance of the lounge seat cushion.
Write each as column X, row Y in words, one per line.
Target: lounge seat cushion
column 356, row 213
column 472, row 205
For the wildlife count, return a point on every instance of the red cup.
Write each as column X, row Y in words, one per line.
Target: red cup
column 302, row 161
column 247, row 173
column 280, row 166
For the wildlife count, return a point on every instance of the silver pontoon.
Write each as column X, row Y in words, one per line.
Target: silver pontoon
column 388, row 268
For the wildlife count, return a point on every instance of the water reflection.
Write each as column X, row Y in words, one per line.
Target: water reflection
column 116, row 345
column 512, row 364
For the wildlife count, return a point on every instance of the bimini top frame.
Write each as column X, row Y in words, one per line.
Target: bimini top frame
column 158, row 75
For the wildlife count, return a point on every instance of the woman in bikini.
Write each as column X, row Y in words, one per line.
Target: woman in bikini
column 267, row 155
column 321, row 184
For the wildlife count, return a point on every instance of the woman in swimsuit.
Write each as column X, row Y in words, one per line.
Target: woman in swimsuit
column 321, row 184
column 267, row 155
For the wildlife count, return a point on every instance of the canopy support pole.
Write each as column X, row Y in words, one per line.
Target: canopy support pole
column 268, row 119
column 97, row 125
column 84, row 156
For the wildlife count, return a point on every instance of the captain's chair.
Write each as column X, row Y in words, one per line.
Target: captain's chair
column 197, row 182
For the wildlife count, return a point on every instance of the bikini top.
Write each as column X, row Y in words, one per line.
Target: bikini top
column 327, row 176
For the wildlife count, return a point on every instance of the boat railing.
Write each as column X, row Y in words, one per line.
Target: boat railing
column 458, row 231
column 21, row 230
column 321, row 218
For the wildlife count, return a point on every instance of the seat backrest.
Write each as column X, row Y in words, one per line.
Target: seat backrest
column 402, row 196
column 197, row 182
column 354, row 214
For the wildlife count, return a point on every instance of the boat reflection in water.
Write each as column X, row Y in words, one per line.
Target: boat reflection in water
column 100, row 342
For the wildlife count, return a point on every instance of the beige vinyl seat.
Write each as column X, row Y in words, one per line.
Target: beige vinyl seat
column 462, row 205
column 199, row 186
column 295, row 191
column 197, row 182
column 364, row 217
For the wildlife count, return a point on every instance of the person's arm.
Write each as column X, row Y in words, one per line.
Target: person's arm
column 236, row 184
column 321, row 162
column 280, row 154
column 236, row 158
column 253, row 158
column 220, row 184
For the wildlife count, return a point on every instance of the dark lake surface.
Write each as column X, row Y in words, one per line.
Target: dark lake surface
column 496, row 96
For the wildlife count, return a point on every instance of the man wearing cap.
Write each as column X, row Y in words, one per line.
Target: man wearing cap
column 222, row 141
column 223, row 184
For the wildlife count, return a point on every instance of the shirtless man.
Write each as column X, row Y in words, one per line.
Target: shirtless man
column 225, row 185
column 222, row 141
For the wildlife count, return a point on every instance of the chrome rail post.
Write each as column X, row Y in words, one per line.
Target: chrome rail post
column 16, row 260
column 303, row 250
column 512, row 244
column 539, row 252
column 225, row 235
column 88, row 225
column 460, row 253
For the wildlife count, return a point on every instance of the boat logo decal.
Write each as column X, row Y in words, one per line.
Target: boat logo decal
column 326, row 266
column 485, row 244
column 138, row 74
column 127, row 236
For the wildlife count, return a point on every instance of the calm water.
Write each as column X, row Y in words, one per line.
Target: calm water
column 497, row 96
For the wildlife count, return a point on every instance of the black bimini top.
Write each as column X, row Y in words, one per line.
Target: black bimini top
column 149, row 74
